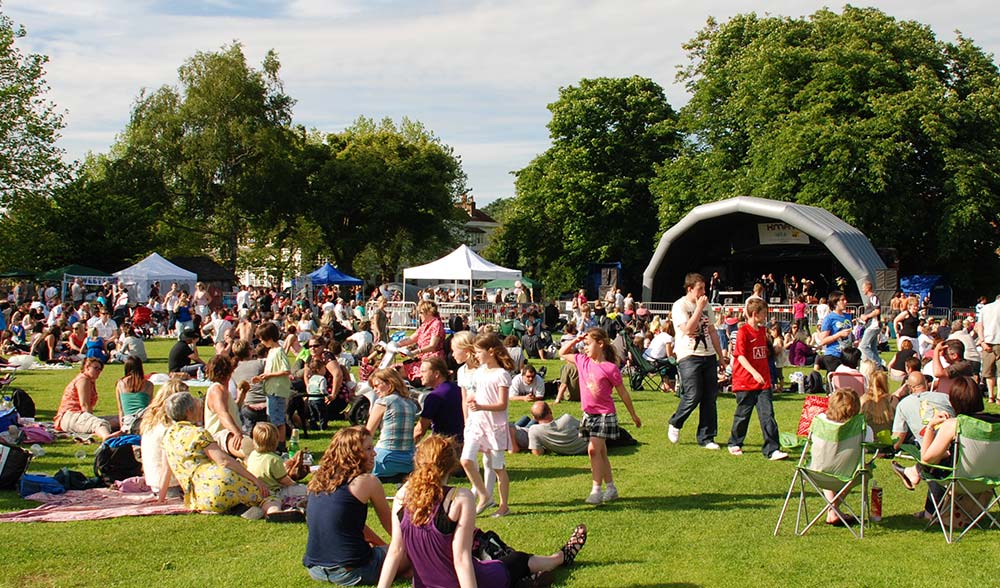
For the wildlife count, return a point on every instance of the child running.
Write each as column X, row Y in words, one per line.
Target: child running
column 486, row 422
column 599, row 374
column 752, row 383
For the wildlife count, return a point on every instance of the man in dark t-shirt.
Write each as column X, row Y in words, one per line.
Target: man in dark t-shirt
column 183, row 358
column 442, row 410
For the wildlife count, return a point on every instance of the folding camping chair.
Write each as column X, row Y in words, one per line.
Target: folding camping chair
column 971, row 485
column 647, row 372
column 848, row 380
column 833, row 459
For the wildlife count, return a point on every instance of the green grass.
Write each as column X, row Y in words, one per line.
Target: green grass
column 686, row 517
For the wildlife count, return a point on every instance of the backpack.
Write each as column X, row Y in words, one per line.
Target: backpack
column 13, row 463
column 34, row 483
column 23, row 403
column 115, row 460
column 813, row 383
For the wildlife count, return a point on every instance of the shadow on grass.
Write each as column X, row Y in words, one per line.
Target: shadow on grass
column 549, row 472
column 708, row 501
column 562, row 575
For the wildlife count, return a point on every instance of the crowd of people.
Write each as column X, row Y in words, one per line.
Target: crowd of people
column 275, row 366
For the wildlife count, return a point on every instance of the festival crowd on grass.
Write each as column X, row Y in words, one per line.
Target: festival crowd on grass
column 281, row 364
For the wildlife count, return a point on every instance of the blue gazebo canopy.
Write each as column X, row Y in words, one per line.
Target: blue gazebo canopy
column 331, row 275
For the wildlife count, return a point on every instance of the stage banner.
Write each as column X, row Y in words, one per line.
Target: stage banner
column 781, row 234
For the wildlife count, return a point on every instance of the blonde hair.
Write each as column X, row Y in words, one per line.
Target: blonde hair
column 466, row 341
column 435, row 459
column 156, row 414
column 265, row 437
column 843, row 405
column 391, row 376
column 875, row 403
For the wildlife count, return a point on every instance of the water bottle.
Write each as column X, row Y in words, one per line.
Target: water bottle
column 37, row 450
column 293, row 443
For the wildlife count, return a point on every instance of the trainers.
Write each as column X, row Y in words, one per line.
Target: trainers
column 711, row 445
column 735, row 450
column 673, row 433
column 610, row 494
column 254, row 513
column 594, row 498
column 778, row 456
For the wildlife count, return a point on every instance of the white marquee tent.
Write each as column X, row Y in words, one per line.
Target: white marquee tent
column 462, row 264
column 152, row 269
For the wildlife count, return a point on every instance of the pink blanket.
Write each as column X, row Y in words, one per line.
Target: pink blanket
column 94, row 504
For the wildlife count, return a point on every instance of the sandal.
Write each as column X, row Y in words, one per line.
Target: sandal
column 574, row 545
column 901, row 472
column 923, row 515
column 536, row 580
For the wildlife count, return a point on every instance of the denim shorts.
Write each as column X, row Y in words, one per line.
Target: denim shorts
column 277, row 406
column 367, row 574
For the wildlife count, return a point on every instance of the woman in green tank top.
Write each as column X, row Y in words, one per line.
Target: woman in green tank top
column 133, row 393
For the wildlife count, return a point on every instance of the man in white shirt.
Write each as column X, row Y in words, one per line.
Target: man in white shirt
column 107, row 328
column 988, row 329
column 527, row 385
column 698, row 352
column 243, row 302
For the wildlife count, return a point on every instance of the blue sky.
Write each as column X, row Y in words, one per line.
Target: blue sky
column 479, row 74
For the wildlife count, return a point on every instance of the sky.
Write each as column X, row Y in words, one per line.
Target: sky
column 479, row 74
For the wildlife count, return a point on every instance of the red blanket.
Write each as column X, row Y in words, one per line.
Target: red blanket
column 91, row 505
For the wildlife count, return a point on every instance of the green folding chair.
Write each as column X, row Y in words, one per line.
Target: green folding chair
column 833, row 459
column 971, row 485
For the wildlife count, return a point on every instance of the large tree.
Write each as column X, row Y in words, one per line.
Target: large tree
column 864, row 115
column 30, row 161
column 223, row 147
column 587, row 198
column 387, row 189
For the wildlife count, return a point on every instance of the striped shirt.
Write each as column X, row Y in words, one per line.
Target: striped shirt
column 397, row 423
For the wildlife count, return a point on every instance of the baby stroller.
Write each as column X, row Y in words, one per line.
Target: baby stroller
column 142, row 321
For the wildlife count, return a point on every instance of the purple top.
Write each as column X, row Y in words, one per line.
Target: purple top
column 430, row 553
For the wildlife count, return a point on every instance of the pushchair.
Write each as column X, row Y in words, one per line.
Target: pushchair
column 142, row 321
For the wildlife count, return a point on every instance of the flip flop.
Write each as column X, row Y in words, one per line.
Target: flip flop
column 845, row 519
column 901, row 472
column 481, row 509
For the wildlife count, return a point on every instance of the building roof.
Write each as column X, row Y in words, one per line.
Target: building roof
column 208, row 269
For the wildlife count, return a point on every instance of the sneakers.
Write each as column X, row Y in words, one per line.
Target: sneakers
column 711, row 445
column 254, row 513
column 778, row 456
column 610, row 494
column 594, row 498
column 735, row 450
column 673, row 433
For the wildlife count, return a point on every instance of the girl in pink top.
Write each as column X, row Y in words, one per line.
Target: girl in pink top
column 486, row 423
column 599, row 374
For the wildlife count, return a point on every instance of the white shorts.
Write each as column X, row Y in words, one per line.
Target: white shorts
column 496, row 457
column 222, row 440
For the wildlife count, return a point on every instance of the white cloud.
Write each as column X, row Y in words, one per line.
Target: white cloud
column 478, row 74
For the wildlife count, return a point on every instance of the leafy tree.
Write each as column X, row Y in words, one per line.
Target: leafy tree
column 871, row 118
column 222, row 146
column 499, row 209
column 30, row 161
column 378, row 186
column 587, row 198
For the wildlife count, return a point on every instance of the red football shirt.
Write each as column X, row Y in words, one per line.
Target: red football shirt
column 752, row 344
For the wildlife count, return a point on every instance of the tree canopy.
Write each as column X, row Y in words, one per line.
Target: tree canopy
column 587, row 198
column 30, row 160
column 869, row 117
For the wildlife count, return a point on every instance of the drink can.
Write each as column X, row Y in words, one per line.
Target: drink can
column 876, row 503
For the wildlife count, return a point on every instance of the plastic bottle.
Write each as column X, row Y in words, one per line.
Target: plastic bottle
column 37, row 450
column 293, row 443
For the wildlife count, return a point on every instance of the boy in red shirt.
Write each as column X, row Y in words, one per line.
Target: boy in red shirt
column 752, row 383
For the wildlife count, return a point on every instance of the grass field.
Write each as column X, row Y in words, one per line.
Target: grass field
column 687, row 517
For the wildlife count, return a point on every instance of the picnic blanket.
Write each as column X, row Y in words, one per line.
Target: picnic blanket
column 92, row 505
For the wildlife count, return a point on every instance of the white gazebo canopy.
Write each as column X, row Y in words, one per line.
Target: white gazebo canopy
column 155, row 268
column 462, row 264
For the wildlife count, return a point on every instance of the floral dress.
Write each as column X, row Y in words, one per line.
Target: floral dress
column 207, row 485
